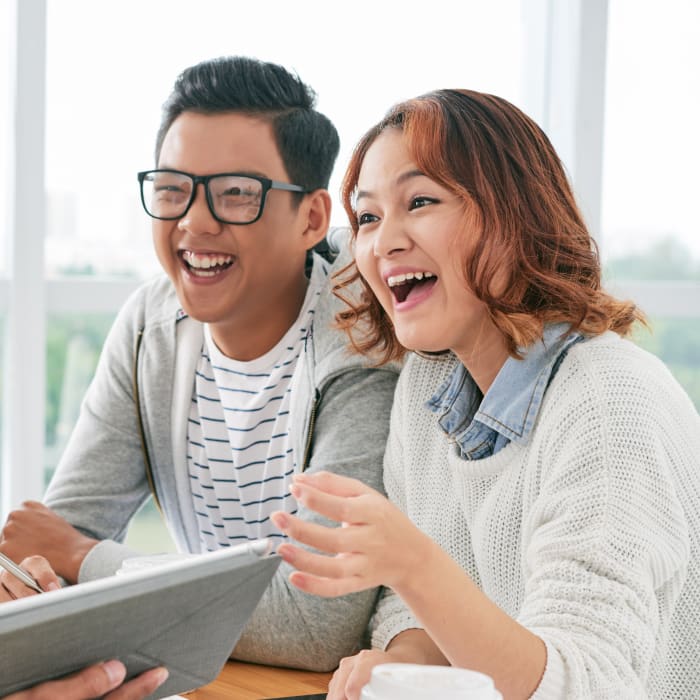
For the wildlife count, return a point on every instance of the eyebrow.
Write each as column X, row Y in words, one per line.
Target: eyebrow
column 408, row 175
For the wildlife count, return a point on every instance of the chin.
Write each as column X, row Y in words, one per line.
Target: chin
column 420, row 345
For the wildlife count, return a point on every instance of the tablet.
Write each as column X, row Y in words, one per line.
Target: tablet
column 185, row 615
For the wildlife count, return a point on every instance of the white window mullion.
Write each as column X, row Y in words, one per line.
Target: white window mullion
column 565, row 63
column 24, row 366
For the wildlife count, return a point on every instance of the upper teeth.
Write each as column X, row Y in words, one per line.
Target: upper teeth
column 395, row 280
column 206, row 260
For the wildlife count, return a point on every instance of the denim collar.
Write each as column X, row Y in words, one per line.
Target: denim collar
column 508, row 411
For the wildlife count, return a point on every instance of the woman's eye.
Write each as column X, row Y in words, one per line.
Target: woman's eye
column 365, row 219
column 418, row 202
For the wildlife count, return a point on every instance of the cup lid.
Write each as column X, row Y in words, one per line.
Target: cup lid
column 417, row 682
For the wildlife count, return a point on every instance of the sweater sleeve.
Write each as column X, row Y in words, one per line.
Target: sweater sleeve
column 100, row 481
column 392, row 615
column 606, row 542
column 292, row 628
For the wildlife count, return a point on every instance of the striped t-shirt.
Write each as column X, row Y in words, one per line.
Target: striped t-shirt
column 239, row 451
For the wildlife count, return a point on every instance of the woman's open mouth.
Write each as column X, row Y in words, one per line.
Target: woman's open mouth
column 410, row 284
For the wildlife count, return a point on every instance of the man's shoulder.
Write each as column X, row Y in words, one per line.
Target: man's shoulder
column 154, row 301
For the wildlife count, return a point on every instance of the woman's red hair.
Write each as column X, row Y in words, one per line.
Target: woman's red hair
column 494, row 157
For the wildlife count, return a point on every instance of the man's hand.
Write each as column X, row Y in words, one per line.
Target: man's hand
column 12, row 588
column 35, row 529
column 94, row 682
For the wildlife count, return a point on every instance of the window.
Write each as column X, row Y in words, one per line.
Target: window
column 102, row 108
column 104, row 88
column 650, row 232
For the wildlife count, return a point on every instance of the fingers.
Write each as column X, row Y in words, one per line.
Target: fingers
column 36, row 505
column 341, row 566
column 334, row 484
column 342, row 509
column 322, row 575
column 92, row 682
column 13, row 588
column 5, row 594
column 42, row 572
column 353, row 674
column 325, row 539
column 325, row 587
column 141, row 686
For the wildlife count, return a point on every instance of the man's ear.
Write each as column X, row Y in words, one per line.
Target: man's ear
column 316, row 211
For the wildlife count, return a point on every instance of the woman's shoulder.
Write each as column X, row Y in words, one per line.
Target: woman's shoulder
column 613, row 370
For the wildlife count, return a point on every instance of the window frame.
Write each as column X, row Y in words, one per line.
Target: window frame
column 562, row 91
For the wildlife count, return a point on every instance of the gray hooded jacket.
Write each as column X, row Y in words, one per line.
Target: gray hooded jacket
column 340, row 418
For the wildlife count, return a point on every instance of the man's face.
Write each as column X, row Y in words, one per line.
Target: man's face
column 247, row 281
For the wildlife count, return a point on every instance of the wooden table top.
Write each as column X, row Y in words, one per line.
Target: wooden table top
column 252, row 682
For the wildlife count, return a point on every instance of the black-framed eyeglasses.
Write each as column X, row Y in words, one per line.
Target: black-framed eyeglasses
column 232, row 198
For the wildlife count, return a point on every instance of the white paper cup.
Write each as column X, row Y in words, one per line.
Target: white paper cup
column 418, row 682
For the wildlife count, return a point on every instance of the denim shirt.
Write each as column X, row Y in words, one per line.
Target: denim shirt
column 508, row 411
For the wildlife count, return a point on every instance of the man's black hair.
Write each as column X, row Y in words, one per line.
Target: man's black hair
column 307, row 140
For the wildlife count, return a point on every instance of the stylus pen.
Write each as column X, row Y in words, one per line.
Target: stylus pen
column 19, row 573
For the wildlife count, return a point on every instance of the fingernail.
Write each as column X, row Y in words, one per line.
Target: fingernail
column 281, row 520
column 295, row 491
column 287, row 553
column 53, row 587
column 114, row 670
column 161, row 675
column 302, row 477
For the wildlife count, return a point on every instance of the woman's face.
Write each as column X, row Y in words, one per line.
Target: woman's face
column 413, row 234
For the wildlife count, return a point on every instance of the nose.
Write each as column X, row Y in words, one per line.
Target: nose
column 198, row 219
column 391, row 238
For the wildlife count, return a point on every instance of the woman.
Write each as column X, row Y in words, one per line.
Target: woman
column 542, row 472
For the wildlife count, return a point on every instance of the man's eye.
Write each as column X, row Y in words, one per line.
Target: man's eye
column 170, row 193
column 419, row 202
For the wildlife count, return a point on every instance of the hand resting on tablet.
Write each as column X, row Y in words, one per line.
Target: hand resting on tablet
column 92, row 682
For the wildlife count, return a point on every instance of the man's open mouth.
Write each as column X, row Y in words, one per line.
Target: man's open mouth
column 402, row 286
column 206, row 264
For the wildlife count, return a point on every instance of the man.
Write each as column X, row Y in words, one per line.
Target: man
column 220, row 381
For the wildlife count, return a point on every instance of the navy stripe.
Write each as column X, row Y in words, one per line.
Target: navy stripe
column 210, row 439
column 265, row 500
column 264, row 420
column 240, row 374
column 253, row 410
column 238, row 391
column 257, row 442
column 262, row 461
column 265, row 481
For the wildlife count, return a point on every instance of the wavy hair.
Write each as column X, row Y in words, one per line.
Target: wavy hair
column 495, row 158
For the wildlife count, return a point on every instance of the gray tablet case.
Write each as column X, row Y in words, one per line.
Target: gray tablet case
column 186, row 615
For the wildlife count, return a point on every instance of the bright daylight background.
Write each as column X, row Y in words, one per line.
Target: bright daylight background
column 111, row 65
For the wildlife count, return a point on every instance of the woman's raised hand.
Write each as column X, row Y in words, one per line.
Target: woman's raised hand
column 376, row 545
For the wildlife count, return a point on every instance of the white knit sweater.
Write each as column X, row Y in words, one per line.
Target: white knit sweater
column 589, row 535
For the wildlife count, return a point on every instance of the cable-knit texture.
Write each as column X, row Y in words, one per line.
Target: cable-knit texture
column 589, row 535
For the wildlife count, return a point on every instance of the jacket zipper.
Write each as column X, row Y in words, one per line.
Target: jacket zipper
column 310, row 432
